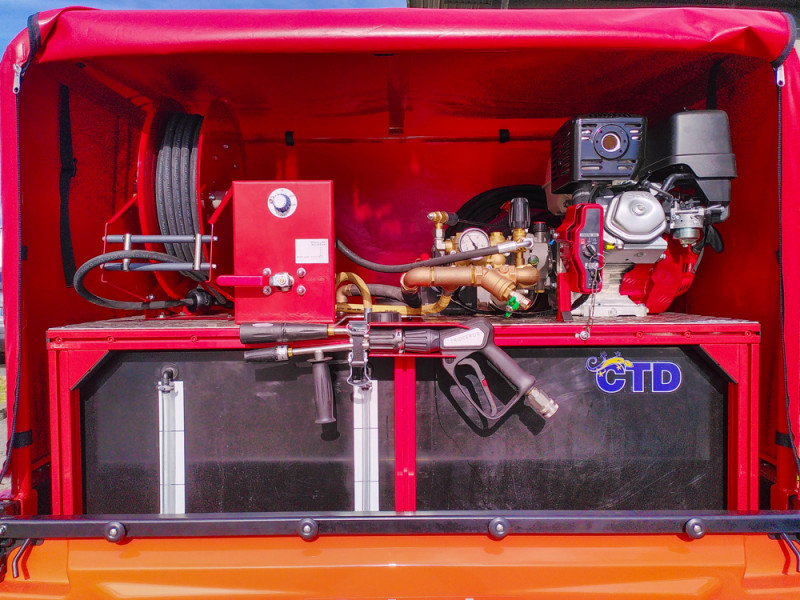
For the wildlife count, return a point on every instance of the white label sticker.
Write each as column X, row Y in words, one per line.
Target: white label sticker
column 472, row 338
column 314, row 252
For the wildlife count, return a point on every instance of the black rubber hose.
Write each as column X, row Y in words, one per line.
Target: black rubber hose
column 431, row 262
column 484, row 207
column 193, row 161
column 178, row 173
column 95, row 262
column 162, row 166
column 392, row 292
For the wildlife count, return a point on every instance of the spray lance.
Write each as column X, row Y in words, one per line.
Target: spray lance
column 457, row 345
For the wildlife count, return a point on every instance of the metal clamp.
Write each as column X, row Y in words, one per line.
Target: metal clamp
column 358, row 359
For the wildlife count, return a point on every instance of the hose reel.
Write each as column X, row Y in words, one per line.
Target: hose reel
column 186, row 165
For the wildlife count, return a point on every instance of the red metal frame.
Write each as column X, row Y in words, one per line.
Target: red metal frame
column 734, row 345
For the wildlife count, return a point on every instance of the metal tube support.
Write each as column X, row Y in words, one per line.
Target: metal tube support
column 126, row 262
column 157, row 239
column 183, row 266
column 198, row 252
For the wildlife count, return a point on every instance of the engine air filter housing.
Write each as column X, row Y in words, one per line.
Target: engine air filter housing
column 596, row 148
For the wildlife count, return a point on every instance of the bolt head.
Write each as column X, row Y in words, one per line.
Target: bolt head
column 301, row 272
column 3, row 529
column 308, row 529
column 114, row 532
column 301, row 290
column 267, row 290
column 695, row 528
column 498, row 528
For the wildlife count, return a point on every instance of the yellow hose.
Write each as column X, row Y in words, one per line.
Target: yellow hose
column 347, row 277
column 427, row 309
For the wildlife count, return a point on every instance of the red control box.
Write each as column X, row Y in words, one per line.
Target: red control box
column 283, row 251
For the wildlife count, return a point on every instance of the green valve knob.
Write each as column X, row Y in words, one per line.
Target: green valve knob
column 511, row 306
column 534, row 260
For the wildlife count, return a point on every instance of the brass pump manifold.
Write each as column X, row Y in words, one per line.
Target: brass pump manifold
column 500, row 282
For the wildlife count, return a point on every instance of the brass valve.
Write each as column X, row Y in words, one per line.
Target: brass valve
column 441, row 218
column 500, row 282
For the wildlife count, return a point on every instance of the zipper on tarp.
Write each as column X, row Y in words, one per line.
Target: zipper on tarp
column 17, row 78
column 780, row 76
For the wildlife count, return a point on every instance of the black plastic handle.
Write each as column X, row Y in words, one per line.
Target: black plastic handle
column 323, row 390
column 507, row 367
column 262, row 333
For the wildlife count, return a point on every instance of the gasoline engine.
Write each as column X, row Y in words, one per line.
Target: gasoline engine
column 638, row 209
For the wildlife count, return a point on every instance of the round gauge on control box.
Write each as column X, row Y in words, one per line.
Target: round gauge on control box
column 473, row 239
column 282, row 203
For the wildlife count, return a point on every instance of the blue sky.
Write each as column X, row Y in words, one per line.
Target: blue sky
column 14, row 13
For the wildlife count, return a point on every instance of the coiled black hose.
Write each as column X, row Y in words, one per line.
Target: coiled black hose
column 90, row 264
column 176, row 185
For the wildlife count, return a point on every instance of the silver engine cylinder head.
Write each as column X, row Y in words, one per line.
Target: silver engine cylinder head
column 636, row 217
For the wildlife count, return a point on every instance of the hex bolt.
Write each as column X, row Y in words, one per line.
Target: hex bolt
column 301, row 272
column 499, row 528
column 301, row 290
column 114, row 531
column 695, row 528
column 308, row 529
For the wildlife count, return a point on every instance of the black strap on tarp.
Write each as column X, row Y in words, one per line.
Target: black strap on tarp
column 783, row 440
column 68, row 170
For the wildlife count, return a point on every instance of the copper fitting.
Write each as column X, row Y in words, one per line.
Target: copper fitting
column 517, row 235
column 439, row 217
column 499, row 282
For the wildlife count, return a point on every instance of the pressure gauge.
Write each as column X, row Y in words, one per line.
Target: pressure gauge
column 473, row 239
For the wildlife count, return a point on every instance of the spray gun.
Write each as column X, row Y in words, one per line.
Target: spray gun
column 457, row 345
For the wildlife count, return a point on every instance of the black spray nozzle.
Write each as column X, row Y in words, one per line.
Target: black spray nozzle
column 275, row 354
column 519, row 215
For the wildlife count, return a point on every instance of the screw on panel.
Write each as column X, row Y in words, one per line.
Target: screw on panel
column 114, row 531
column 308, row 529
column 499, row 528
column 3, row 529
column 267, row 290
column 301, row 290
column 301, row 272
column 695, row 528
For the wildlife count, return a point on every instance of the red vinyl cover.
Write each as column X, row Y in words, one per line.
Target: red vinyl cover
column 74, row 33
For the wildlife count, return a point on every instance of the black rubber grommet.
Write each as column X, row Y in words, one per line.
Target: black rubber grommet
column 308, row 529
column 499, row 528
column 114, row 531
column 695, row 528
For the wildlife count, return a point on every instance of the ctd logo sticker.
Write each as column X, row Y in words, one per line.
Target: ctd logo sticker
column 612, row 375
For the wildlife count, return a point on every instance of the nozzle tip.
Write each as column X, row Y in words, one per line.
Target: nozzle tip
column 543, row 404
